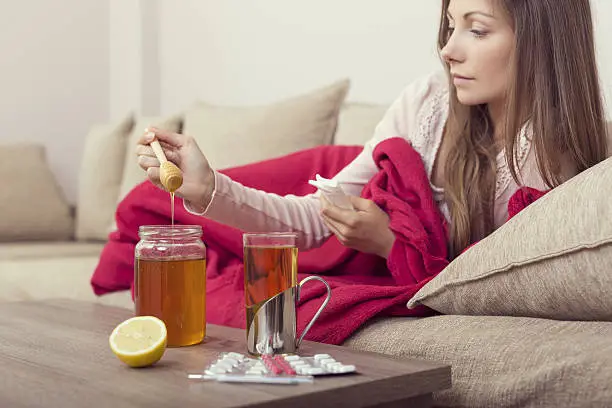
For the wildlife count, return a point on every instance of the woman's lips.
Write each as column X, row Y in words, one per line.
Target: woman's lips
column 461, row 80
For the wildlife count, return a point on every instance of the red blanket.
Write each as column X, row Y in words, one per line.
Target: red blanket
column 363, row 285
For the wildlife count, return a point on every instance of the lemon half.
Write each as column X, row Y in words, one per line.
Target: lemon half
column 139, row 341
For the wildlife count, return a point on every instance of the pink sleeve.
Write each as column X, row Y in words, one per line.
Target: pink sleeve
column 254, row 210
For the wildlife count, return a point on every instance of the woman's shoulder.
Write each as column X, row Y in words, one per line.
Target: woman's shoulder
column 421, row 103
column 418, row 115
column 431, row 93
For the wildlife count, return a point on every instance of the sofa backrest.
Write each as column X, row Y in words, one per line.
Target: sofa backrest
column 357, row 122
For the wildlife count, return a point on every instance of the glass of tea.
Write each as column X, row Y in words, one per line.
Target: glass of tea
column 170, row 280
column 272, row 291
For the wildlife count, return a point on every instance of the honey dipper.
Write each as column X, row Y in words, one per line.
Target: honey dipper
column 170, row 175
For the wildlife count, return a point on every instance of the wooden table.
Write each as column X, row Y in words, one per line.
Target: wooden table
column 56, row 354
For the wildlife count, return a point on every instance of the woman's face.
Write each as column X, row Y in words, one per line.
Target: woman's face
column 479, row 49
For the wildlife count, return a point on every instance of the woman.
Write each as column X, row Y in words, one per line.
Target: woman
column 519, row 104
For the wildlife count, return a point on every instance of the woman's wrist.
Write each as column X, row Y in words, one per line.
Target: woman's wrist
column 200, row 201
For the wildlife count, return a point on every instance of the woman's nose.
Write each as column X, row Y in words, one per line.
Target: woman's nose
column 449, row 52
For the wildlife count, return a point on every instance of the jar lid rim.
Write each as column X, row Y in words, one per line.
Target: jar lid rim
column 169, row 230
column 270, row 234
column 164, row 227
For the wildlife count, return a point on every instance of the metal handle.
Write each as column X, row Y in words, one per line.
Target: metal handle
column 316, row 316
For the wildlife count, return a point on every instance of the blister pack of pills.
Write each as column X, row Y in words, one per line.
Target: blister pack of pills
column 277, row 369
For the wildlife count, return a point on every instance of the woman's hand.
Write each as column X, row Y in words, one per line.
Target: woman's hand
column 366, row 229
column 182, row 150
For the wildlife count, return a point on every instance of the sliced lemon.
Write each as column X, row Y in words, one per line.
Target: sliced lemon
column 139, row 341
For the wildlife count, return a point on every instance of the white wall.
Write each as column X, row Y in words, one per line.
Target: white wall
column 54, row 77
column 602, row 10
column 248, row 52
column 134, row 59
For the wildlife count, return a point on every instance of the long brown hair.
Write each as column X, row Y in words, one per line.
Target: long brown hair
column 554, row 88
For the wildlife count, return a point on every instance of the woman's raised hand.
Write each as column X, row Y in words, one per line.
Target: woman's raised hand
column 182, row 150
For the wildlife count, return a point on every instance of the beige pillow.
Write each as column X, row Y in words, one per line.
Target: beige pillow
column 357, row 123
column 100, row 177
column 233, row 136
column 132, row 173
column 32, row 204
column 552, row 260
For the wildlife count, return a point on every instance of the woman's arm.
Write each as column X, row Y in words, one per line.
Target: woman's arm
column 216, row 196
column 249, row 209
column 254, row 210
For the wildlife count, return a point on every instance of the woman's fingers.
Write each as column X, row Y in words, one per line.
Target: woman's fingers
column 144, row 150
column 147, row 151
column 170, row 138
column 153, row 174
column 334, row 227
column 146, row 162
column 339, row 215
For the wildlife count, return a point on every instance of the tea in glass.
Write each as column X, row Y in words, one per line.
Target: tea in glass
column 272, row 293
column 270, row 268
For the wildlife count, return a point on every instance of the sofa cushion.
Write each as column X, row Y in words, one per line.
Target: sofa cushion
column 234, row 136
column 504, row 361
column 32, row 204
column 357, row 122
column 100, row 177
column 47, row 250
column 54, row 277
column 551, row 260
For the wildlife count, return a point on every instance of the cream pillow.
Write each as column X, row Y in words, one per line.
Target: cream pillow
column 552, row 260
column 100, row 178
column 357, row 123
column 32, row 204
column 234, row 136
column 132, row 173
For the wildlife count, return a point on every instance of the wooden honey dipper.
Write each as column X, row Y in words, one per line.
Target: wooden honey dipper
column 170, row 175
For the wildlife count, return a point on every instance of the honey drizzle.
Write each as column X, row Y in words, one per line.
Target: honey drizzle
column 172, row 207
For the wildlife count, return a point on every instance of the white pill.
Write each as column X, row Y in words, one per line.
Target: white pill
column 223, row 364
column 342, row 369
column 326, row 361
column 220, row 367
column 302, row 370
column 347, row 369
column 331, row 366
column 230, row 360
column 216, row 370
column 314, row 371
column 292, row 358
column 298, row 363
column 321, row 356
column 237, row 356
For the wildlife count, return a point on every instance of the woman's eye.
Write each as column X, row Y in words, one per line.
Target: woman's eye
column 478, row 33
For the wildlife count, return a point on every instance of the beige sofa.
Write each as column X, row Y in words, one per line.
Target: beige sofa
column 48, row 249
column 508, row 343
